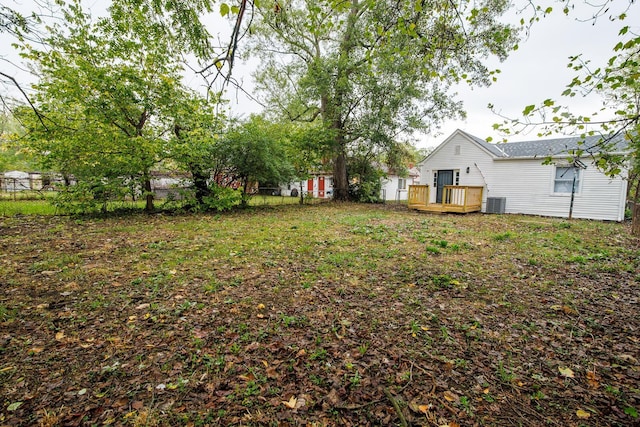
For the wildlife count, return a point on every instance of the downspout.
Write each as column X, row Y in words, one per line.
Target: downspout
column 486, row 184
column 573, row 193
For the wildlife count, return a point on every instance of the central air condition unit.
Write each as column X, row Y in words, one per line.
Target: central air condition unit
column 496, row 205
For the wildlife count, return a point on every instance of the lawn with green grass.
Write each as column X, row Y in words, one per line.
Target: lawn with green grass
column 12, row 204
column 328, row 314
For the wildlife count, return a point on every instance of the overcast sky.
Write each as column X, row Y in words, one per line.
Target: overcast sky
column 536, row 71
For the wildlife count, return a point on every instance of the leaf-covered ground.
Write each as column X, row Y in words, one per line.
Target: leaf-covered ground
column 337, row 315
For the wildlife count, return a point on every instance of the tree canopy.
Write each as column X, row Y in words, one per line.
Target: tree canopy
column 104, row 93
column 373, row 73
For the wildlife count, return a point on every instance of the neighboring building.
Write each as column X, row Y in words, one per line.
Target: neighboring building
column 515, row 180
column 319, row 185
column 396, row 187
column 13, row 181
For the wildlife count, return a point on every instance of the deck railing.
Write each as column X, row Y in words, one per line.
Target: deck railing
column 455, row 198
column 466, row 197
column 418, row 195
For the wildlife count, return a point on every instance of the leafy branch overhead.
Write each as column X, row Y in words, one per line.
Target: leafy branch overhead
column 616, row 81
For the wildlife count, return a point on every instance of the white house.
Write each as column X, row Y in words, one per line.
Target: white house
column 13, row 181
column 395, row 187
column 515, row 180
column 319, row 185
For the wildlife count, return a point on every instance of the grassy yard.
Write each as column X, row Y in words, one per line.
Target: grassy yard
column 321, row 315
column 12, row 204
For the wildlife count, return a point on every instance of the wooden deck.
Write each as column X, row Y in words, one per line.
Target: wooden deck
column 455, row 199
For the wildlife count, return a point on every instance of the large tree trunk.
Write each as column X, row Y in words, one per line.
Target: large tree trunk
column 148, row 195
column 200, row 182
column 635, row 225
column 340, row 177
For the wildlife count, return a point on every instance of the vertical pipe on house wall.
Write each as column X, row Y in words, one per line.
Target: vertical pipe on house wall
column 573, row 192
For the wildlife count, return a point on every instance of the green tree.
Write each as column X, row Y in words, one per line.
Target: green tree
column 12, row 157
column 371, row 72
column 197, row 148
column 105, row 90
column 308, row 149
column 255, row 153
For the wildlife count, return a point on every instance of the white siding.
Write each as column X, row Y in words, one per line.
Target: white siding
column 471, row 156
column 526, row 184
column 390, row 190
column 528, row 188
column 328, row 187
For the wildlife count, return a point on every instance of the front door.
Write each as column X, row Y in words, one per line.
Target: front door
column 445, row 177
column 310, row 187
column 321, row 186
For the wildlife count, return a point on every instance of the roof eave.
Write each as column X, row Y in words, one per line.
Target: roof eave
column 559, row 156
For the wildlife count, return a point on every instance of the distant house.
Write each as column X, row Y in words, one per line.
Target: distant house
column 511, row 178
column 13, row 181
column 396, row 187
column 318, row 185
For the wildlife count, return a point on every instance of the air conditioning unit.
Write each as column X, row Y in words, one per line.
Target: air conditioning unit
column 496, row 205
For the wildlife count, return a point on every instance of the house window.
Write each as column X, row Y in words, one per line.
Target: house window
column 563, row 180
column 435, row 179
column 402, row 183
column 456, row 150
column 457, row 182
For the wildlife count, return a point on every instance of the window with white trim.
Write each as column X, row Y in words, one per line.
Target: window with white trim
column 563, row 180
column 402, row 183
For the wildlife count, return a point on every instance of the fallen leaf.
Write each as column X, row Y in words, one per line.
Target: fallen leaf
column 583, row 415
column 566, row 372
column 423, row 408
column 143, row 306
column 260, row 306
column 247, row 378
column 81, row 392
column 628, row 358
column 137, row 405
column 291, row 403
column 592, row 379
column 272, row 373
column 451, row 397
column 300, row 403
column 14, row 406
column 59, row 335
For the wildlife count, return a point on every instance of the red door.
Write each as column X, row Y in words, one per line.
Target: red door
column 310, row 187
column 321, row 186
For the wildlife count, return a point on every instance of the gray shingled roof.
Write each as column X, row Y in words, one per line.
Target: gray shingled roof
column 550, row 147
